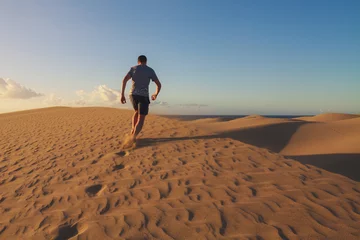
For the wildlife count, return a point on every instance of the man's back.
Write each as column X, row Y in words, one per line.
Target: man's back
column 139, row 92
column 141, row 76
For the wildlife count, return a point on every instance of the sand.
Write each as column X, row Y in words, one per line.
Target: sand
column 329, row 117
column 63, row 175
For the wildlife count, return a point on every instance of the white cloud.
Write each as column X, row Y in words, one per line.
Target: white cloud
column 12, row 96
column 101, row 94
column 53, row 100
column 80, row 102
column 160, row 103
column 193, row 105
column 11, row 89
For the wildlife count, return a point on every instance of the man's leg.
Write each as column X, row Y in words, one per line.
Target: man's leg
column 139, row 125
column 134, row 121
column 135, row 103
column 143, row 111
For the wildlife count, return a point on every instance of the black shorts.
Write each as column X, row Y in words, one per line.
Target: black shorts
column 140, row 103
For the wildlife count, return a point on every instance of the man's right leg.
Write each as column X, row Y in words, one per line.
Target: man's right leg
column 139, row 125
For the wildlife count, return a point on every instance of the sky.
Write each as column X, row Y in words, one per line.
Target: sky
column 213, row 57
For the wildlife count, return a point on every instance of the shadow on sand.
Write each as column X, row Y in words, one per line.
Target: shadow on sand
column 344, row 164
column 275, row 137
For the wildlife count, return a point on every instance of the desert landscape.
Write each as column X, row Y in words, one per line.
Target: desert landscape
column 64, row 175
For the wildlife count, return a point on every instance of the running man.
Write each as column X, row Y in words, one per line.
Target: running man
column 139, row 92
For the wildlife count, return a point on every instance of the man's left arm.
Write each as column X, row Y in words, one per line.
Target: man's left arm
column 155, row 79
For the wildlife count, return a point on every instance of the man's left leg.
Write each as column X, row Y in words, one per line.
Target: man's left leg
column 135, row 103
column 134, row 121
column 143, row 111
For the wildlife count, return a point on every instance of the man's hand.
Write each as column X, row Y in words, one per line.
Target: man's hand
column 158, row 87
column 126, row 78
column 123, row 99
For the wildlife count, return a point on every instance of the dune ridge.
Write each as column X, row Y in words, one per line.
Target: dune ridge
column 329, row 117
column 303, row 140
column 63, row 176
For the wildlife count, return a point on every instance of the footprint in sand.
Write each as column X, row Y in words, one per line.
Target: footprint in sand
column 123, row 153
column 66, row 232
column 93, row 190
column 118, row 167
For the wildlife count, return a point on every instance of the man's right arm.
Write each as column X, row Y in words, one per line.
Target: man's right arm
column 125, row 80
column 155, row 79
column 158, row 88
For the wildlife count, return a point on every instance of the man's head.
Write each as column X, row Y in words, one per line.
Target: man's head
column 142, row 59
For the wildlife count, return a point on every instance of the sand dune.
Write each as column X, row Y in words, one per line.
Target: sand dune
column 329, row 117
column 301, row 140
column 324, row 138
column 63, row 176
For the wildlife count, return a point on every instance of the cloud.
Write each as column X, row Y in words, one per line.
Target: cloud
column 160, row 103
column 80, row 102
column 189, row 105
column 104, row 95
column 53, row 100
column 11, row 89
column 13, row 93
column 101, row 94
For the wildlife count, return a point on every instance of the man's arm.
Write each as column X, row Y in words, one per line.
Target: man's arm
column 158, row 88
column 125, row 80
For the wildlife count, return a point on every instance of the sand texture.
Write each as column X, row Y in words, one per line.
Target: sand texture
column 63, row 175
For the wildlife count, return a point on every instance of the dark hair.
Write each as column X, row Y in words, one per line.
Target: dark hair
column 142, row 59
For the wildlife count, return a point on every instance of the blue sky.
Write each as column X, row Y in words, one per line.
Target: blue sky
column 213, row 57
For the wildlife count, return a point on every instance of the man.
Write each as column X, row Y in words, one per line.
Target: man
column 139, row 92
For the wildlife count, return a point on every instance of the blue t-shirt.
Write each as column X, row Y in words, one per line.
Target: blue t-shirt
column 141, row 76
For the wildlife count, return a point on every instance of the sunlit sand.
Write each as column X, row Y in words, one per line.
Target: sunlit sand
column 70, row 173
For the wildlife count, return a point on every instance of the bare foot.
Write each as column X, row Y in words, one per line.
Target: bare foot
column 129, row 142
